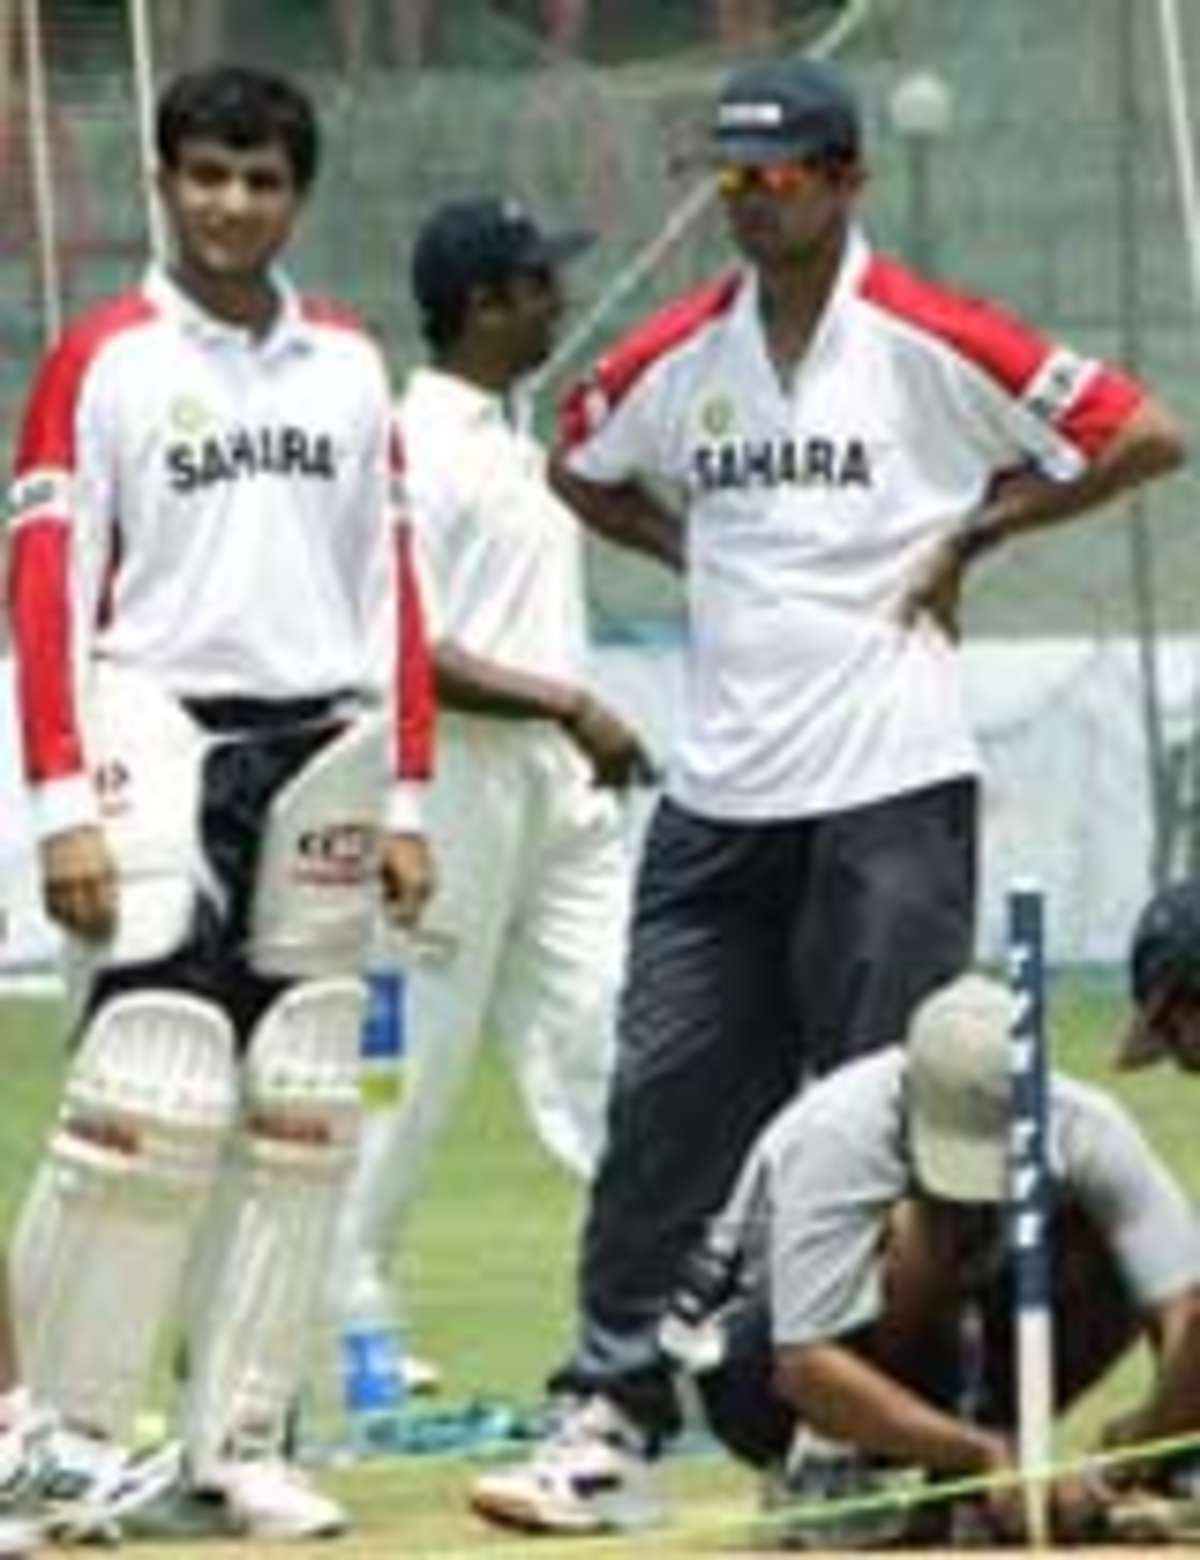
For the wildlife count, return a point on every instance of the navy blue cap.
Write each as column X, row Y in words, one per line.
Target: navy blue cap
column 472, row 243
column 786, row 109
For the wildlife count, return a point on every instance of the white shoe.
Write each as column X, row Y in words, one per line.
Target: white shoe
column 74, row 1485
column 589, row 1476
column 268, row 1498
column 90, row 1483
column 19, row 1536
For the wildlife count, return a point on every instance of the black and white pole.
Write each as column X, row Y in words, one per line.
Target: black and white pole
column 1029, row 1204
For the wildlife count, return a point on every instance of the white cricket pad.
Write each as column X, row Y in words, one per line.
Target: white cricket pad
column 146, row 756
column 316, row 890
column 104, row 1232
column 256, row 1290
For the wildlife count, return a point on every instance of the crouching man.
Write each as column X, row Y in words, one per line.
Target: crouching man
column 871, row 1223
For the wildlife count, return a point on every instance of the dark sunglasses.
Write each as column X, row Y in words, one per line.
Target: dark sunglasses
column 779, row 180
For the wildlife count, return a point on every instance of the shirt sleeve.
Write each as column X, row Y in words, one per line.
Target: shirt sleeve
column 412, row 682
column 826, row 1248
column 1022, row 398
column 1133, row 1199
column 63, row 550
column 609, row 439
column 433, row 497
column 400, row 668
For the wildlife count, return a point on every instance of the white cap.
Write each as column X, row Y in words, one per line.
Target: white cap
column 959, row 1089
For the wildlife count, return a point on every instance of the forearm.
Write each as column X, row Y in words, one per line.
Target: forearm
column 844, row 1396
column 1149, row 446
column 475, row 685
column 626, row 515
column 1172, row 1405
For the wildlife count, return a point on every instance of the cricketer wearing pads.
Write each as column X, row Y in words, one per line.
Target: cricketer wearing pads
column 225, row 751
column 524, row 816
column 873, row 1217
column 823, row 443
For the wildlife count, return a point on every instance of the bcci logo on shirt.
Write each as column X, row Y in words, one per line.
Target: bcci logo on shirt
column 717, row 416
column 188, row 414
column 340, row 855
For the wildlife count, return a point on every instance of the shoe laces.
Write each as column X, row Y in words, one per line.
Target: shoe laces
column 582, row 1425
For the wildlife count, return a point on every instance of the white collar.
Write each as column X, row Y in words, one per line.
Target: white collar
column 456, row 397
column 289, row 331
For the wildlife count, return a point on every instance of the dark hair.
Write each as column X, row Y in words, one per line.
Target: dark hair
column 239, row 107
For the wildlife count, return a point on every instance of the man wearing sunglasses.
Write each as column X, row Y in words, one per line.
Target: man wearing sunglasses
column 844, row 440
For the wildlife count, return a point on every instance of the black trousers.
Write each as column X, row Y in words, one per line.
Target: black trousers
column 761, row 955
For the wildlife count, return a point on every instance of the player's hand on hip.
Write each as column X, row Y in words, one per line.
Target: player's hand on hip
column 613, row 749
column 406, row 868
column 935, row 589
column 79, row 882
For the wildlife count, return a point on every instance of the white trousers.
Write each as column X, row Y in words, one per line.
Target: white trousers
column 532, row 905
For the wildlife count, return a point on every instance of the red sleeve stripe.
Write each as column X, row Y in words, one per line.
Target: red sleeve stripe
column 40, row 577
column 47, row 435
column 1086, row 406
column 1108, row 401
column 1007, row 350
column 413, row 758
column 41, row 623
column 587, row 403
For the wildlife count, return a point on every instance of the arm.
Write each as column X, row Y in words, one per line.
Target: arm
column 624, row 513
column 845, row 1396
column 61, row 492
column 406, row 866
column 479, row 686
column 1147, row 445
column 1171, row 1407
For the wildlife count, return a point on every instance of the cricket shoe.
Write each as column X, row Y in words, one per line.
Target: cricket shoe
column 75, row 1485
column 590, row 1475
column 268, row 1498
column 19, row 1536
column 89, row 1484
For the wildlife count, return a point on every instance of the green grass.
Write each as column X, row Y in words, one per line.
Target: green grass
column 489, row 1280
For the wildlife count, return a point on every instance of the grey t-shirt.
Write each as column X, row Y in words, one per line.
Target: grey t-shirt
column 831, row 1165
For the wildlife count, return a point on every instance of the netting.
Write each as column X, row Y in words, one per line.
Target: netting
column 1054, row 184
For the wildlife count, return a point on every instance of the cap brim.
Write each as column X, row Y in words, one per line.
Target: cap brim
column 558, row 248
column 958, row 1168
column 763, row 149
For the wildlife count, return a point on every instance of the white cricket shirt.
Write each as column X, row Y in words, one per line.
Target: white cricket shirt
column 809, row 506
column 501, row 556
column 217, row 510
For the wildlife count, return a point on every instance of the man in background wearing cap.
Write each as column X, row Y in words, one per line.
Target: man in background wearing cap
column 531, row 906
column 844, row 439
column 876, row 1219
column 1164, row 978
